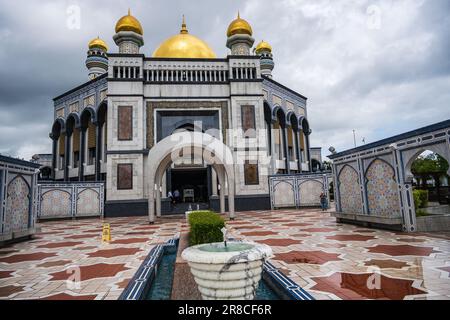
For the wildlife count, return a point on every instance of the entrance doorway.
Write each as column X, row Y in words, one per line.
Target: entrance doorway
column 192, row 185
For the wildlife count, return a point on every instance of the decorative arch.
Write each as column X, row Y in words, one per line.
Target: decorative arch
column 349, row 189
column 304, row 125
column 213, row 151
column 279, row 114
column 102, row 110
column 59, row 125
column 410, row 157
column 292, row 120
column 382, row 189
column 73, row 121
column 268, row 116
column 87, row 114
column 18, row 204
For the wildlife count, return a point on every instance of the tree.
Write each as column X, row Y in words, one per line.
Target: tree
column 431, row 166
column 326, row 165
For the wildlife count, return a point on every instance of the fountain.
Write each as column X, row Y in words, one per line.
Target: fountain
column 227, row 270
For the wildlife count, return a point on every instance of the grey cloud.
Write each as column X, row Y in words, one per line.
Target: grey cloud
column 379, row 82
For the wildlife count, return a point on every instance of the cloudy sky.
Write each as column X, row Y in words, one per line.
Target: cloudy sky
column 380, row 67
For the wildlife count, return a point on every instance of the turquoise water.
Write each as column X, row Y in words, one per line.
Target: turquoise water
column 162, row 284
column 231, row 247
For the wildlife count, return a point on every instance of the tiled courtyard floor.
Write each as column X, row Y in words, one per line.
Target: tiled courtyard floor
column 330, row 260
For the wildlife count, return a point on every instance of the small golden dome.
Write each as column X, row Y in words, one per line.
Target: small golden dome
column 184, row 45
column 239, row 26
column 263, row 46
column 129, row 23
column 98, row 43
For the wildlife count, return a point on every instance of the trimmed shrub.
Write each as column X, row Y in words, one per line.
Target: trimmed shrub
column 423, row 194
column 417, row 200
column 205, row 227
column 420, row 198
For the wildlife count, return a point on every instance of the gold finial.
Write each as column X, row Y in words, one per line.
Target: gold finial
column 184, row 29
column 129, row 11
column 239, row 15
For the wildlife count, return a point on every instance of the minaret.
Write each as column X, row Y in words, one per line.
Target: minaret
column 264, row 50
column 240, row 37
column 97, row 58
column 129, row 34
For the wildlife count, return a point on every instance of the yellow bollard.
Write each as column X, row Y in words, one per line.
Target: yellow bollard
column 106, row 235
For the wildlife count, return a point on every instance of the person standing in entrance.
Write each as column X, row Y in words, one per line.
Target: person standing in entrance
column 170, row 196
column 176, row 195
column 323, row 202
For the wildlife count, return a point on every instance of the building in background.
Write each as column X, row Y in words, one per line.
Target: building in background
column 45, row 169
column 105, row 129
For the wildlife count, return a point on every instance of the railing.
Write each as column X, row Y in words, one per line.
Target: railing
column 70, row 200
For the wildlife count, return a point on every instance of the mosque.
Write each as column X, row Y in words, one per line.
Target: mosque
column 116, row 127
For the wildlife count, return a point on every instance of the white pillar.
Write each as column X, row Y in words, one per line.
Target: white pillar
column 231, row 198
column 214, row 181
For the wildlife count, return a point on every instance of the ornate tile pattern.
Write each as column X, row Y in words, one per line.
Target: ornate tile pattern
column 329, row 260
column 88, row 203
column 56, row 203
column 17, row 205
column 309, row 191
column 382, row 190
column 350, row 191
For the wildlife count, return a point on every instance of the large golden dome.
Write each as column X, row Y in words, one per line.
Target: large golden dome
column 129, row 23
column 98, row 43
column 239, row 26
column 184, row 45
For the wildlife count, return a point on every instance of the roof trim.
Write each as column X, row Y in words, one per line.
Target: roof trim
column 81, row 86
column 402, row 136
column 19, row 162
column 284, row 87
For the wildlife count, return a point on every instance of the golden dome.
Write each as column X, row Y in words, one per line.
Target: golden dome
column 98, row 43
column 129, row 23
column 239, row 26
column 184, row 45
column 263, row 46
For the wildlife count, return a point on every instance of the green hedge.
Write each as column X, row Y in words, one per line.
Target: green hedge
column 420, row 198
column 205, row 227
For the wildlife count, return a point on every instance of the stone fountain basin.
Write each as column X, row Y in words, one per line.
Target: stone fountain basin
column 231, row 272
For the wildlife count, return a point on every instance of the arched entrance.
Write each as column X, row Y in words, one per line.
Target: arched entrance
column 178, row 145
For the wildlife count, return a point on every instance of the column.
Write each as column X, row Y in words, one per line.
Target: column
column 214, row 182
column 308, row 153
column 54, row 155
column 298, row 151
column 82, row 154
column 407, row 208
column 286, row 150
column 67, row 155
column 362, row 178
column 272, row 146
column 98, row 150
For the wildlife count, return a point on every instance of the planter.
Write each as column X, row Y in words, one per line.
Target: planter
column 227, row 273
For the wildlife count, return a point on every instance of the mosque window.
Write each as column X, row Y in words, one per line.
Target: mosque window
column 91, row 156
column 103, row 94
column 76, row 159
column 60, row 113
column 125, row 123
column 89, row 101
column 248, row 121
column 74, row 107
column 251, row 175
column 124, row 176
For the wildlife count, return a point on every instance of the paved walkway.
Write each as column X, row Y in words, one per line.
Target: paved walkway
column 39, row 269
column 330, row 260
